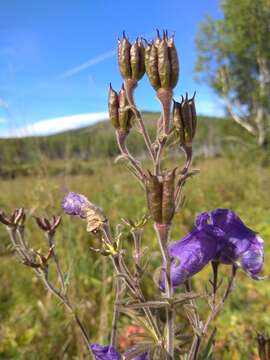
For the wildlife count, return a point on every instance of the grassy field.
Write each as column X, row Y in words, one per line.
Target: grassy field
column 32, row 323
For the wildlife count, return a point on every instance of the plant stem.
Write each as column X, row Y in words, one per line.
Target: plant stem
column 50, row 238
column 116, row 313
column 43, row 274
column 194, row 352
column 163, row 233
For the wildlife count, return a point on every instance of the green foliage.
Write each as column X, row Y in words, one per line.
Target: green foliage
column 234, row 58
column 32, row 322
column 69, row 152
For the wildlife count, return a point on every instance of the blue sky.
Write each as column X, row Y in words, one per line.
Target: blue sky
column 57, row 57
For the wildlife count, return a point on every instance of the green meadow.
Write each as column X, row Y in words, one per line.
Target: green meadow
column 35, row 172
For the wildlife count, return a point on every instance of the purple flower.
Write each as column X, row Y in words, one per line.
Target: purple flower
column 240, row 245
column 104, row 352
column 192, row 253
column 75, row 204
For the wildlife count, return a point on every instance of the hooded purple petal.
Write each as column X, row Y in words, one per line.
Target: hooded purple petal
column 104, row 352
column 240, row 245
column 192, row 253
column 75, row 204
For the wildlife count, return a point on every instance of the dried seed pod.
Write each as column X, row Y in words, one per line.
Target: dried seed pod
column 154, row 197
column 189, row 119
column 178, row 122
column 137, row 60
column 173, row 61
column 131, row 59
column 141, row 59
column 168, row 205
column 113, row 106
column 125, row 113
column 134, row 60
column 124, row 57
column 151, row 65
column 164, row 66
column 191, row 103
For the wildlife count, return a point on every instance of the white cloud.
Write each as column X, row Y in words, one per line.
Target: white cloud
column 55, row 125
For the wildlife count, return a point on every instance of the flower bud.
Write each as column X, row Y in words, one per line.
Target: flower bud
column 113, row 106
column 168, row 204
column 154, row 197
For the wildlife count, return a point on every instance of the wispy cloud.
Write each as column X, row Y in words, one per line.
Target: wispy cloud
column 55, row 125
column 96, row 60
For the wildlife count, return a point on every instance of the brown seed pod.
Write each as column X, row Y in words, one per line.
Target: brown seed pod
column 124, row 57
column 113, row 106
column 186, row 116
column 125, row 114
column 164, row 66
column 151, row 65
column 178, row 123
column 168, row 206
column 174, row 62
column 154, row 197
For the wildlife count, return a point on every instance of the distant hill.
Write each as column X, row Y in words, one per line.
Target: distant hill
column 98, row 141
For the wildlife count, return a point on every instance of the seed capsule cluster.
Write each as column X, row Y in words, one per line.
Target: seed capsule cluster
column 131, row 58
column 161, row 63
column 119, row 111
column 185, row 119
column 160, row 196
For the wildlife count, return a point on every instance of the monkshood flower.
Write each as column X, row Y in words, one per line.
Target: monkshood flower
column 110, row 353
column 192, row 253
column 240, row 245
column 78, row 204
column 104, row 352
column 75, row 204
